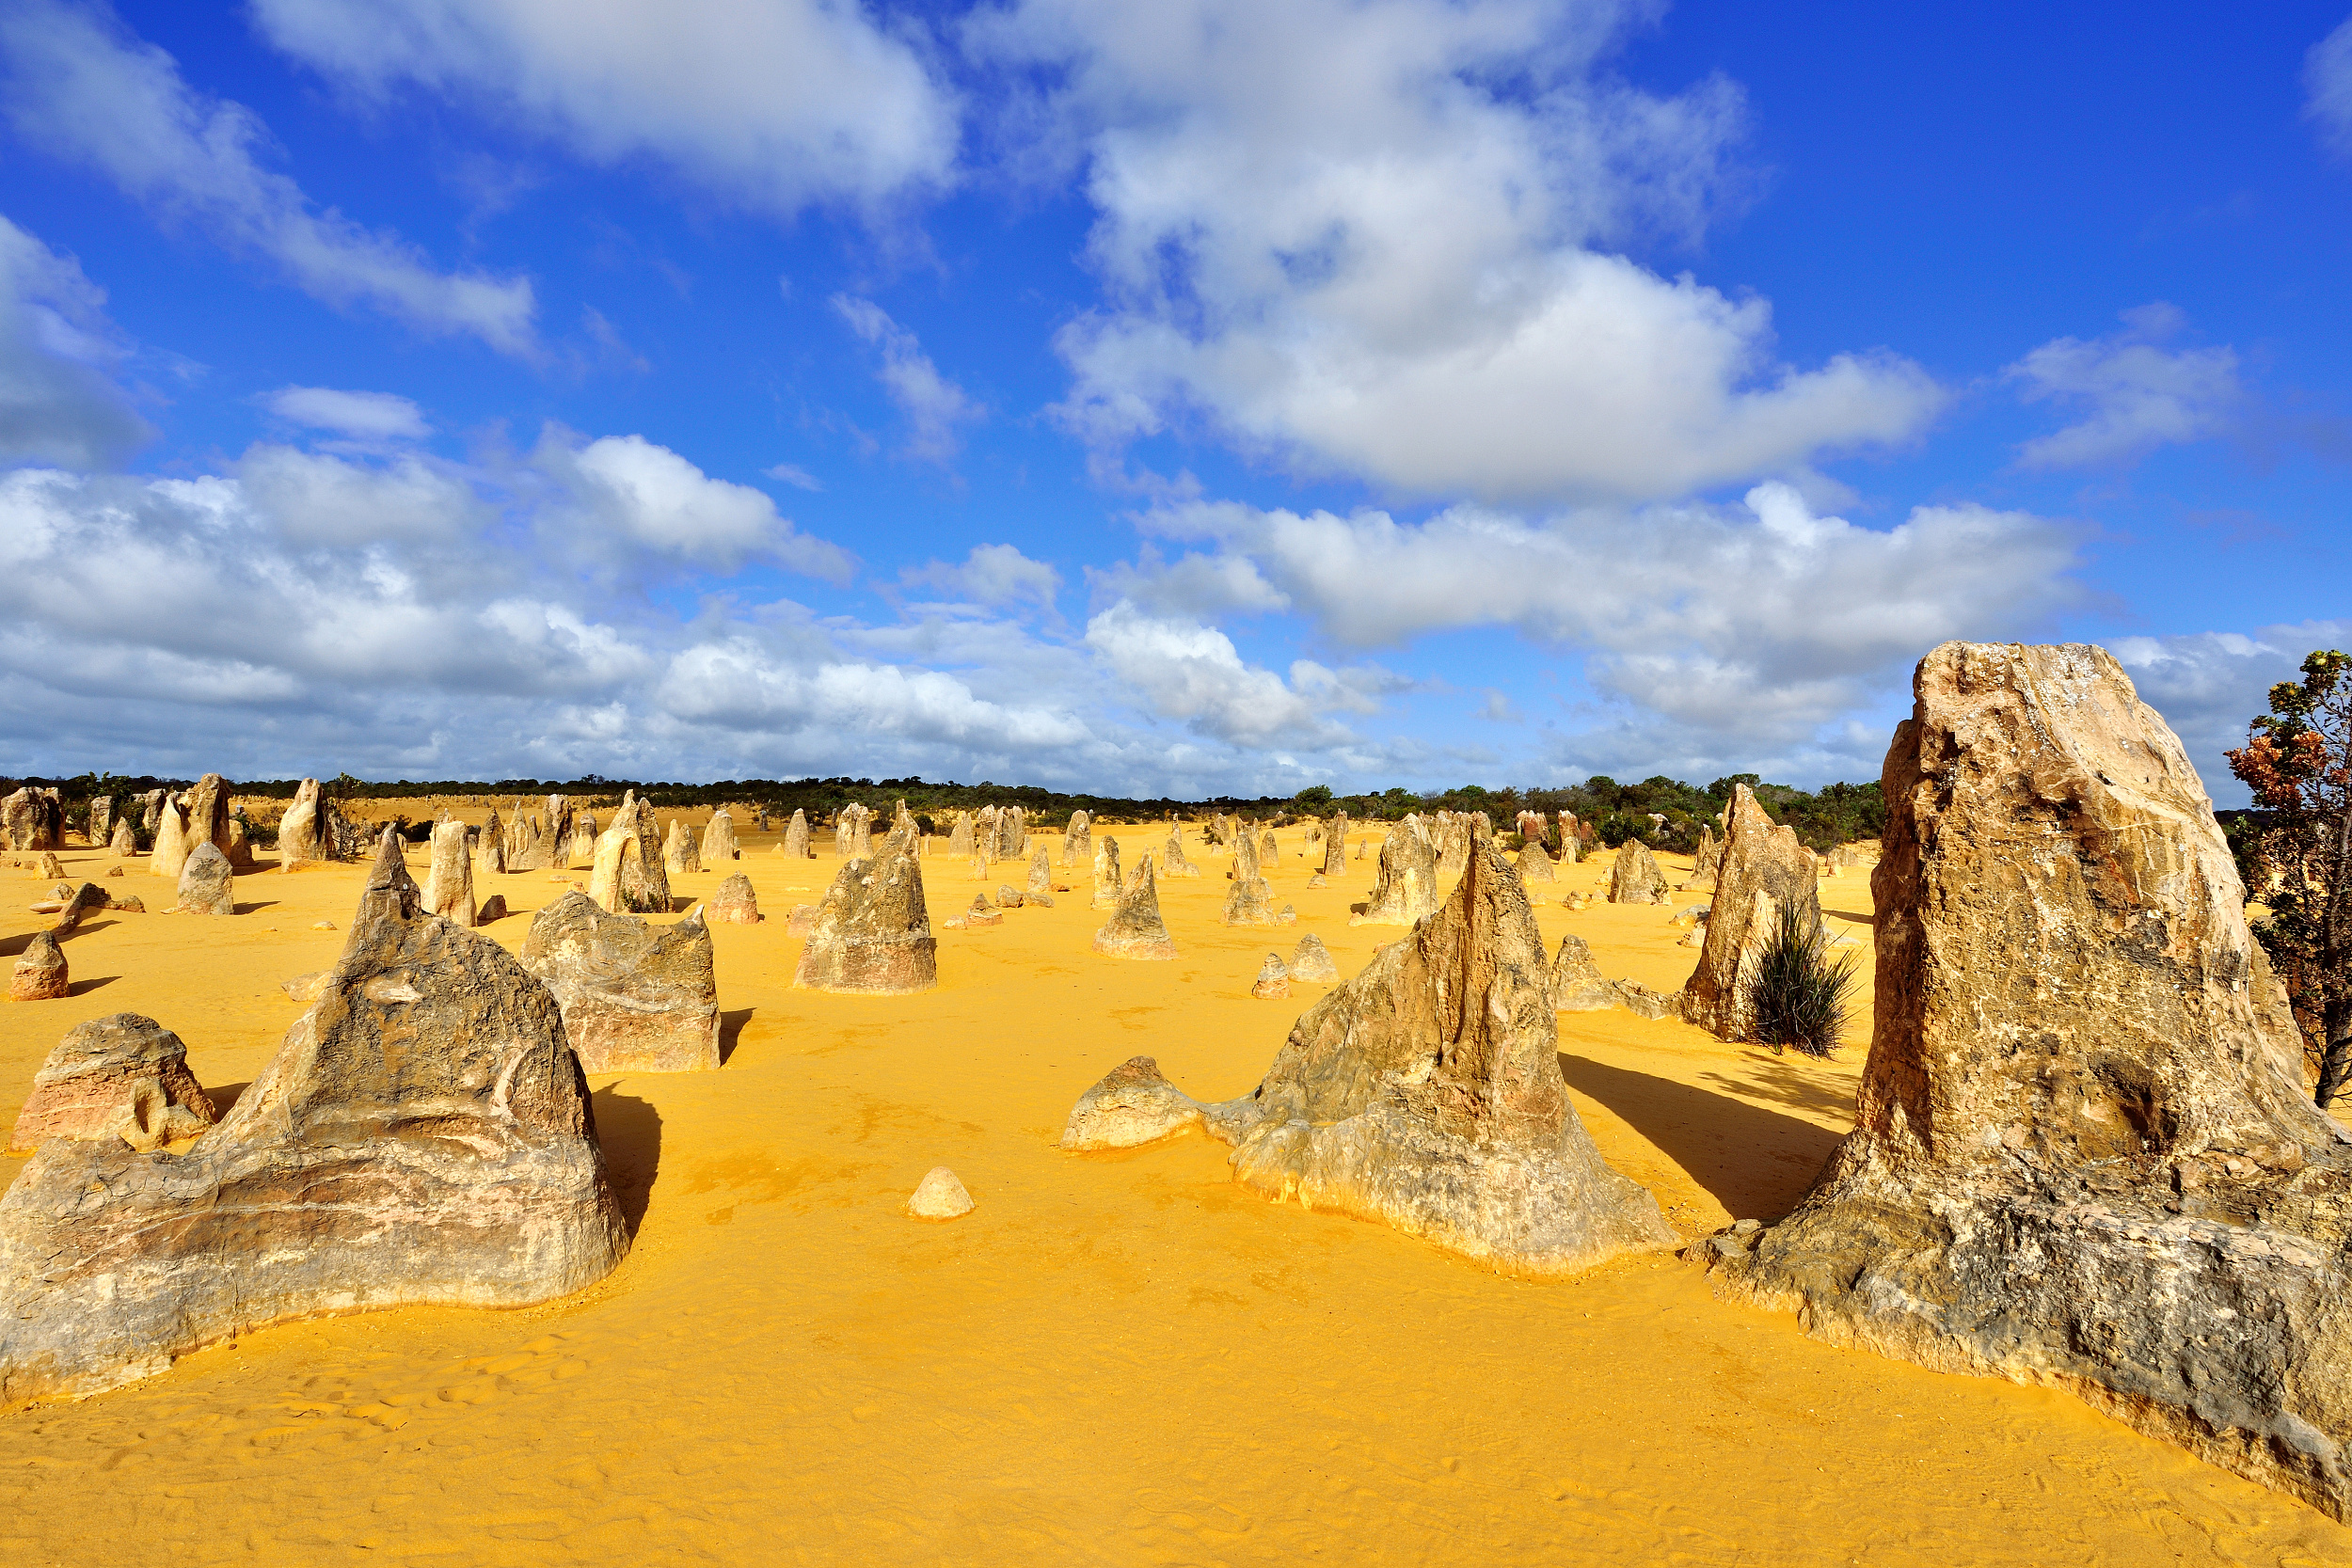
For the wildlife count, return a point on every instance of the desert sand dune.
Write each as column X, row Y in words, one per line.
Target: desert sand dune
column 1117, row 1357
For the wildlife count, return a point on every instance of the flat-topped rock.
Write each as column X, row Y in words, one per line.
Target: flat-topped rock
column 423, row 1136
column 635, row 997
column 122, row 1077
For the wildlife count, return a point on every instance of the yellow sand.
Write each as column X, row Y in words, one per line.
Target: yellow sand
column 1115, row 1358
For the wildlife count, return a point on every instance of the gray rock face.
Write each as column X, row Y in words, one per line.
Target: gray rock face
column 636, row 997
column 1577, row 983
column 1134, row 930
column 449, row 883
column 1424, row 1093
column 1078, row 842
column 1763, row 870
column 421, row 1136
column 2083, row 1155
column 734, row 903
column 1106, row 881
column 206, row 883
column 1313, row 960
column 1636, row 879
column 719, row 846
column 208, row 815
column 796, row 838
column 489, row 851
column 1406, row 889
column 1335, row 846
column 872, row 933
column 101, row 819
column 1040, row 872
column 122, row 1077
column 40, row 973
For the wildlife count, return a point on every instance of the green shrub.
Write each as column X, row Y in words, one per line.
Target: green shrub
column 1798, row 997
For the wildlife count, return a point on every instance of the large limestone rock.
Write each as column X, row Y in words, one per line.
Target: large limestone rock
column 1269, row 852
column 872, row 933
column 33, row 819
column 1534, row 865
column 85, row 901
column 123, row 1076
column 170, row 854
column 1335, row 846
column 1635, row 878
column 1406, row 887
column 125, row 844
column 40, row 973
column 208, row 815
column 636, row 997
column 960, row 836
column 1272, row 983
column 1578, row 985
column 1012, row 833
column 679, row 853
column 489, row 849
column 421, row 1136
column 1425, row 1093
column 2083, row 1155
column 719, row 846
column 1135, row 930
column 735, row 903
column 1078, row 840
column 628, row 874
column 1172, row 854
column 1040, row 872
column 101, row 818
column 1763, row 871
column 796, row 838
column 298, row 838
column 1708, row 863
column 208, row 883
column 1313, row 960
column 449, row 883
column 1107, row 883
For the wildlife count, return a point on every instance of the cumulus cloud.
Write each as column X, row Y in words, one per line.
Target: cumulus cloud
column 2328, row 90
column 2135, row 394
column 992, row 574
column 1181, row 669
column 932, row 405
column 77, row 83
column 634, row 491
column 2208, row 683
column 59, row 401
column 772, row 103
column 1378, row 240
column 368, row 416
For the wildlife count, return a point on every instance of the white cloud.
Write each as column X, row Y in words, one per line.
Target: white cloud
column 794, row 475
column 993, row 574
column 1375, row 239
column 310, row 500
column 368, row 416
column 2138, row 395
column 58, row 352
column 77, row 83
column 772, row 103
column 2208, row 684
column 1185, row 670
column 649, row 495
column 2328, row 90
column 933, row 404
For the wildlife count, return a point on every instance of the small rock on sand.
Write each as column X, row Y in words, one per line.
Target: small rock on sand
column 1273, row 979
column 940, row 1197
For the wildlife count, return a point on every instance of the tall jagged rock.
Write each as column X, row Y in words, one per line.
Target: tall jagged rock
column 636, row 997
column 33, row 819
column 719, row 846
column 1041, row 871
column 170, row 854
column 151, row 809
column 448, row 877
column 1763, row 872
column 1335, row 846
column 1078, row 840
column 101, row 818
column 2083, row 1154
column 489, row 849
column 121, row 1076
column 1708, row 863
column 1106, row 879
column 1172, row 854
column 960, row 836
column 1425, row 1093
column 1635, row 878
column 298, row 838
column 872, row 932
column 423, row 1136
column 1405, row 888
column 1134, row 930
column 679, row 853
column 124, row 846
column 582, row 848
column 526, row 851
column 208, row 815
column 796, row 838
column 628, row 874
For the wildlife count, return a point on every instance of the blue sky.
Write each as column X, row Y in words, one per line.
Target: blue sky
column 1227, row 395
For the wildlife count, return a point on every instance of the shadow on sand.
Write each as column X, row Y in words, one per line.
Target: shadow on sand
column 731, row 1032
column 630, row 1131
column 1755, row 1161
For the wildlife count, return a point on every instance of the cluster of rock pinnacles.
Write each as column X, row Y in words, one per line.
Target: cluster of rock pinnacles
column 2082, row 1153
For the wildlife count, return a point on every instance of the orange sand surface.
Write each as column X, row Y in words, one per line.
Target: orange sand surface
column 1116, row 1359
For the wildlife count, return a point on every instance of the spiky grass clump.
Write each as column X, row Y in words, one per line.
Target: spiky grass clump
column 1798, row 997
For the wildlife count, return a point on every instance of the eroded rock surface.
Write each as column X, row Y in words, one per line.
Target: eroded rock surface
column 1313, row 960
column 421, row 1136
column 719, row 845
column 1578, row 985
column 872, row 933
column 448, row 879
column 1272, row 983
column 1636, row 879
column 735, row 903
column 1425, row 1093
column 1078, row 841
column 208, row 883
column 796, row 838
column 1134, row 930
column 1535, row 866
column 1406, row 887
column 40, row 973
column 1762, row 871
column 635, row 996
column 2083, row 1154
column 123, row 1076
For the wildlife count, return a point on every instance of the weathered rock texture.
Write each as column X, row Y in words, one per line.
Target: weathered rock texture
column 636, row 997
column 1040, row 872
column 1107, row 880
column 1134, row 930
column 208, row 815
column 735, row 903
column 208, row 883
column 1708, row 864
column 1424, row 1092
column 796, row 838
column 872, row 932
column 299, row 842
column 1577, row 983
column 33, row 819
column 719, row 846
column 125, row 844
column 2083, row 1155
column 489, row 849
column 1763, row 871
column 422, row 1135
column 1406, row 887
column 1534, row 865
column 1078, row 841
column 122, row 1077
column 101, row 819
column 679, row 853
column 448, row 880
column 939, row 1197
column 170, row 854
column 1272, row 983
column 1635, row 878
column 1335, row 846
column 87, row 900
column 1313, row 960
column 39, row 973
column 1249, row 901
